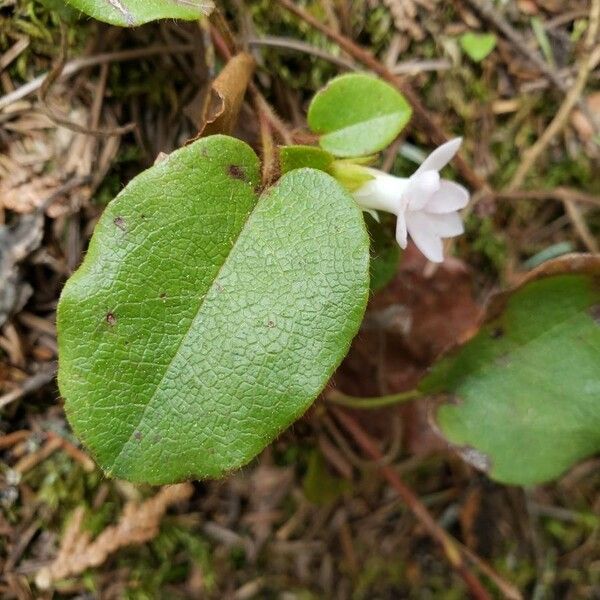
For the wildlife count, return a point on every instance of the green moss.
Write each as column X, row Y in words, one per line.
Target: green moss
column 39, row 21
column 487, row 242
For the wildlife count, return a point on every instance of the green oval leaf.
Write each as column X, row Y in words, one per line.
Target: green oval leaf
column 297, row 157
column 357, row 114
column 526, row 388
column 129, row 13
column 477, row 46
column 204, row 319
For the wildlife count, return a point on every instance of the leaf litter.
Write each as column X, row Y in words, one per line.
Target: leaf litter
column 256, row 533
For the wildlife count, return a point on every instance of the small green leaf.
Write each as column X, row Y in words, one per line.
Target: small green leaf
column 297, row 157
column 477, row 45
column 357, row 114
column 204, row 319
column 525, row 390
column 129, row 13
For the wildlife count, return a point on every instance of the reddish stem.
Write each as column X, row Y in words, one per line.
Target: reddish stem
column 451, row 550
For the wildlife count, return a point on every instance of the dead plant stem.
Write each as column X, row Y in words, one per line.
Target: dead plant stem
column 449, row 546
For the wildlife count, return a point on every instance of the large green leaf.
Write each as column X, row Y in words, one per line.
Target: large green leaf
column 129, row 13
column 204, row 319
column 525, row 391
column 357, row 114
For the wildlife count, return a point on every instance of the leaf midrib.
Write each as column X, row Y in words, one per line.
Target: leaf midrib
column 514, row 353
column 186, row 334
column 343, row 130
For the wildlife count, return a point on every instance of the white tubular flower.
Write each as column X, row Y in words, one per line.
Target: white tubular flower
column 426, row 205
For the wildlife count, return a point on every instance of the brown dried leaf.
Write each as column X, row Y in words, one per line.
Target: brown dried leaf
column 220, row 110
column 39, row 158
column 138, row 524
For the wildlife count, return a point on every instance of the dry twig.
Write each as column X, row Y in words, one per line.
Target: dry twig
column 52, row 114
column 78, row 64
column 32, row 460
column 580, row 226
column 561, row 194
column 451, row 549
column 31, row 384
column 299, row 46
column 10, row 439
column 560, row 120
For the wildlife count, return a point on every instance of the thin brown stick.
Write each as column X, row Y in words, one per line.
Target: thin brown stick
column 31, row 384
column 447, row 543
column 13, row 52
column 509, row 591
column 10, row 439
column 561, row 194
column 75, row 453
column 580, row 226
column 298, row 46
column 276, row 123
column 78, row 64
column 32, row 460
column 425, row 120
column 560, row 120
column 59, row 119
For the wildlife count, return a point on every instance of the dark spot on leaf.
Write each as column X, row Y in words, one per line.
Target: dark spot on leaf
column 595, row 313
column 137, row 435
column 111, row 319
column 496, row 333
column 236, row 172
column 163, row 295
column 271, row 324
column 120, row 223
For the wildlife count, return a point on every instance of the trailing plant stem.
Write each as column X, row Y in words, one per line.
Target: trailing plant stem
column 448, row 544
column 342, row 399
